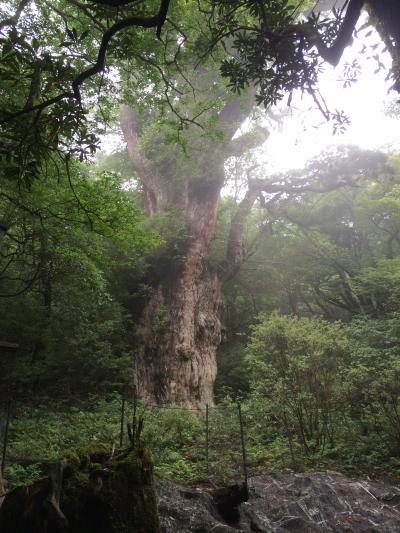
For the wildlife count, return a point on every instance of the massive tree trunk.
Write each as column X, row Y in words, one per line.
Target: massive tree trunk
column 180, row 327
column 180, row 332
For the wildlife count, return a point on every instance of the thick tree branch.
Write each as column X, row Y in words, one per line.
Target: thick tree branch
column 247, row 141
column 155, row 21
column 299, row 186
column 333, row 53
column 236, row 250
column 150, row 22
column 114, row 3
column 130, row 129
column 235, row 112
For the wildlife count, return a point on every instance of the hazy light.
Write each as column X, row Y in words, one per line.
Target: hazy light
column 305, row 133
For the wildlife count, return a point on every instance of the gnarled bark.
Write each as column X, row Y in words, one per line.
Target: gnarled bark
column 180, row 332
column 180, row 327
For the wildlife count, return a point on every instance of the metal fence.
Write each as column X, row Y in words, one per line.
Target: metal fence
column 5, row 417
column 221, row 440
column 218, row 450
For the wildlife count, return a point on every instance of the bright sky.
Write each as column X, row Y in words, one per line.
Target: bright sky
column 306, row 133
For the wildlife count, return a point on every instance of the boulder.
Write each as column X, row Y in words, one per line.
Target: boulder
column 319, row 502
column 184, row 509
column 310, row 503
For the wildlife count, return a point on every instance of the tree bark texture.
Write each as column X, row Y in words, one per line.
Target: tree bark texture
column 180, row 328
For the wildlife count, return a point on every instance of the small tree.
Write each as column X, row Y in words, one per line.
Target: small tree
column 295, row 365
column 372, row 380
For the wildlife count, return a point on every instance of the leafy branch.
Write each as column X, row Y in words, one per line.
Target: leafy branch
column 156, row 21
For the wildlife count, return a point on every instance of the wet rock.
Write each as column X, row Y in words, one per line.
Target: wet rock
column 183, row 510
column 308, row 503
column 319, row 502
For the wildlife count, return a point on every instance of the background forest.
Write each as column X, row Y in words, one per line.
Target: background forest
column 121, row 271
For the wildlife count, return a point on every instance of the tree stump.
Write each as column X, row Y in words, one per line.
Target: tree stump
column 97, row 494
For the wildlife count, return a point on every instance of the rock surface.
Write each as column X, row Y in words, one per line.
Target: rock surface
column 309, row 503
column 185, row 509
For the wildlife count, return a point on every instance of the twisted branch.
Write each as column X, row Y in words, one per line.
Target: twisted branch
column 156, row 21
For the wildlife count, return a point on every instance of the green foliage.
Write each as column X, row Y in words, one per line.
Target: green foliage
column 232, row 377
column 18, row 475
column 324, row 395
column 40, row 435
column 323, row 381
column 295, row 365
column 176, row 439
column 380, row 284
column 290, row 64
column 44, row 51
column 175, row 436
column 74, row 259
column 66, row 240
column 372, row 379
column 314, row 252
